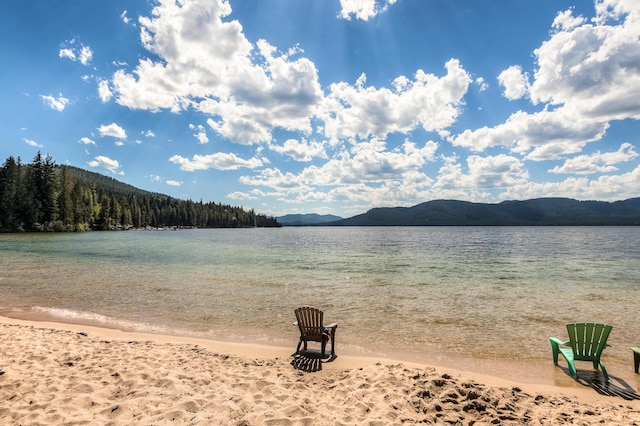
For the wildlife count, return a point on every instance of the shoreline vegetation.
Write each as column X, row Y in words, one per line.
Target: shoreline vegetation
column 44, row 197
column 74, row 374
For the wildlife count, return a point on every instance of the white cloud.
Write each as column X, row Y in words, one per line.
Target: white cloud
column 249, row 90
column 67, row 53
column 515, row 82
column 86, row 141
column 173, row 183
column 363, row 9
column 33, row 143
column 428, row 101
column 545, row 135
column 104, row 91
column 83, row 54
column 587, row 75
column 207, row 64
column 106, row 163
column 218, row 161
column 565, row 21
column 201, row 134
column 483, row 174
column 241, row 196
column 597, row 162
column 149, row 134
column 605, row 188
column 124, row 17
column 300, row 150
column 367, row 162
column 57, row 104
column 482, row 85
column 112, row 130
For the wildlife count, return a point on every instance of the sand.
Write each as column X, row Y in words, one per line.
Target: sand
column 73, row 374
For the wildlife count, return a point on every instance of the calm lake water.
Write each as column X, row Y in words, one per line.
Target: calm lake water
column 483, row 293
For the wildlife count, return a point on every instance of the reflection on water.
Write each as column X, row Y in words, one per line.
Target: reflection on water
column 485, row 292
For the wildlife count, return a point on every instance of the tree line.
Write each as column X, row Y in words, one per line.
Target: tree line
column 43, row 196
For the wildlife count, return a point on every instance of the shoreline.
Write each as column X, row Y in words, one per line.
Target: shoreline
column 522, row 372
column 69, row 365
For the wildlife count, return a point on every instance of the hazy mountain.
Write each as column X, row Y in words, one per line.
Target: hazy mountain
column 306, row 219
column 542, row 211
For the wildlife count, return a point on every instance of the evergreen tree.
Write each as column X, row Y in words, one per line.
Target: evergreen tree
column 44, row 197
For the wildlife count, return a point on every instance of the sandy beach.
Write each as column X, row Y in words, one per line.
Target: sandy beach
column 73, row 374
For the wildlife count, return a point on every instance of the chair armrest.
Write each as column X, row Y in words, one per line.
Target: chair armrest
column 558, row 341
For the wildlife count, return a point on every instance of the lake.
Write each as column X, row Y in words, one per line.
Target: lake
column 464, row 296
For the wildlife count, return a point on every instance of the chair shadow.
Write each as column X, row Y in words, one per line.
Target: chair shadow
column 595, row 380
column 310, row 361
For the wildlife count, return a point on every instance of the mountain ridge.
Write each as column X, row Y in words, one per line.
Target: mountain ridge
column 307, row 219
column 534, row 212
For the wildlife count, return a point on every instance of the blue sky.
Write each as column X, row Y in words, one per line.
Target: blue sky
column 329, row 106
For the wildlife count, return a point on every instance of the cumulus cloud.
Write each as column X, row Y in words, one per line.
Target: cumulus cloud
column 217, row 161
column 106, row 163
column 112, row 130
column 58, row 104
column 586, row 76
column 208, row 64
column 82, row 54
column 363, row 9
column 367, row 162
column 201, row 134
column 515, row 82
column 300, row 150
column 173, row 183
column 427, row 101
column 104, row 91
column 597, row 162
column 546, row 135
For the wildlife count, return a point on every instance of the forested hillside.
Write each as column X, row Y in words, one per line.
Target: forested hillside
column 43, row 196
column 536, row 212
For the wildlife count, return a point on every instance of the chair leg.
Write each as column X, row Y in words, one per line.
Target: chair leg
column 604, row 372
column 298, row 348
column 636, row 360
column 554, row 349
column 324, row 347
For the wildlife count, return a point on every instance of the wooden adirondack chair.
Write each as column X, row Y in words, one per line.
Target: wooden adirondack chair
column 309, row 321
column 586, row 343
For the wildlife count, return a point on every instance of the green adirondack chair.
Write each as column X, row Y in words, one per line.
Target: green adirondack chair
column 586, row 343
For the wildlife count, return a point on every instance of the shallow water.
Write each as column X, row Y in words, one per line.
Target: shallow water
column 488, row 293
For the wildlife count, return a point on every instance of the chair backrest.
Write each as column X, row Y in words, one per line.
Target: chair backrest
column 588, row 340
column 310, row 323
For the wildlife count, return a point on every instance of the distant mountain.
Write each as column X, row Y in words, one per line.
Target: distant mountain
column 539, row 212
column 306, row 219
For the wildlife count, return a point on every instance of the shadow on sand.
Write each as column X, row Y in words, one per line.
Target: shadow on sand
column 310, row 361
column 595, row 380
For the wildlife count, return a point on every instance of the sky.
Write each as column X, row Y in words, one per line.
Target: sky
column 329, row 106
